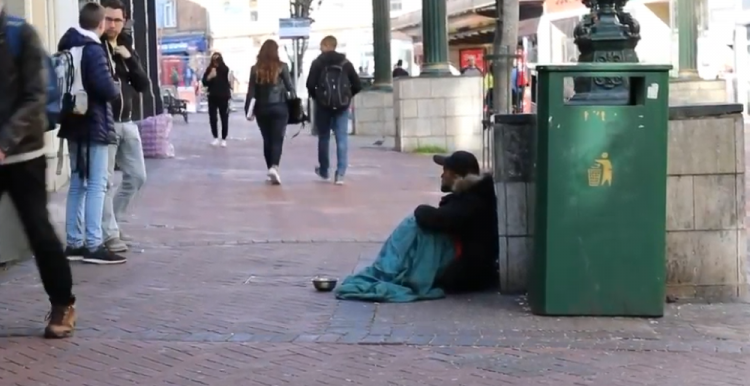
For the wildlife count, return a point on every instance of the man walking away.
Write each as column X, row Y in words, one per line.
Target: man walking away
column 399, row 71
column 333, row 82
column 88, row 125
column 23, row 164
column 127, row 153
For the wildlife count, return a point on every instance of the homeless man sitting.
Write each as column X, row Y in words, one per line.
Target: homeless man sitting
column 468, row 215
column 449, row 248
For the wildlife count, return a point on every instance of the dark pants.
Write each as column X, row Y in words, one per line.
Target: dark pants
column 220, row 106
column 272, row 120
column 25, row 184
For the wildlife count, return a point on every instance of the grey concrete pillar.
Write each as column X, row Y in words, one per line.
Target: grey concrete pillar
column 513, row 139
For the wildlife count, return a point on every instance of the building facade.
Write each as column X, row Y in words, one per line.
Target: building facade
column 184, row 41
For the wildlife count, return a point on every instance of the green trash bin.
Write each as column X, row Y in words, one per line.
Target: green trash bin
column 601, row 174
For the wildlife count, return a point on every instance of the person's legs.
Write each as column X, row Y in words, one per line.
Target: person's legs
column 213, row 109
column 26, row 184
column 224, row 114
column 264, row 124
column 110, row 229
column 74, row 206
column 280, row 120
column 133, row 167
column 96, row 186
column 323, row 126
column 340, row 130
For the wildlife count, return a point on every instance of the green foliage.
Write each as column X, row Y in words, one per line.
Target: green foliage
column 430, row 149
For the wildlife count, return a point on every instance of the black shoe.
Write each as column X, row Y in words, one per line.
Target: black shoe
column 75, row 254
column 319, row 173
column 103, row 256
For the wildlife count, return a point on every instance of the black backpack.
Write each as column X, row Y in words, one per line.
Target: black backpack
column 334, row 91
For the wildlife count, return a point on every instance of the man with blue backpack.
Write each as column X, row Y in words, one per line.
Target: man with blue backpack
column 25, row 81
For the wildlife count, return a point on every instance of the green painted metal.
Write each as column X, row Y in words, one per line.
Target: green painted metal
column 381, row 38
column 607, row 34
column 435, row 38
column 600, row 201
column 687, row 26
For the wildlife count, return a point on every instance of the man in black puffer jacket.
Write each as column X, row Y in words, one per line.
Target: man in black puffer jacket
column 468, row 214
column 89, row 135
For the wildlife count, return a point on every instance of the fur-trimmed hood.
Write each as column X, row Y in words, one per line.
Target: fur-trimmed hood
column 465, row 184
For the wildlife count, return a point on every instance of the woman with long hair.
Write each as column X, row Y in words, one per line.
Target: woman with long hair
column 216, row 79
column 268, row 90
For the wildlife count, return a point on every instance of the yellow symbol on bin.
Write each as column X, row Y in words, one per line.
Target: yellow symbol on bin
column 600, row 173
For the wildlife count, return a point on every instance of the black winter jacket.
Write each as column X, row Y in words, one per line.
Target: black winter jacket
column 23, row 86
column 218, row 87
column 469, row 214
column 132, row 77
column 328, row 59
column 99, row 84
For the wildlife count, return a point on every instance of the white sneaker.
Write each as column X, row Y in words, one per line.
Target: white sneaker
column 223, row 143
column 273, row 174
column 215, row 142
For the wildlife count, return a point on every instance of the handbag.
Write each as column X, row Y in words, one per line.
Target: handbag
column 297, row 113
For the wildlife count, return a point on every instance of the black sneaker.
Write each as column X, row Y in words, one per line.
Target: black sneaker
column 75, row 254
column 319, row 173
column 103, row 256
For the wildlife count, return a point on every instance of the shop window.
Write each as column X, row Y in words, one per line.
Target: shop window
column 169, row 13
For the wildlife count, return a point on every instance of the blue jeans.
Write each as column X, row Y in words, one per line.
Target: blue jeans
column 327, row 121
column 86, row 196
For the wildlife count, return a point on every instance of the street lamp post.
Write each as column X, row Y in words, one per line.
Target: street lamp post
column 607, row 34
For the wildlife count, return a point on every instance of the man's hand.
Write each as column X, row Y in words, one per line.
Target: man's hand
column 123, row 52
column 2, row 156
column 249, row 118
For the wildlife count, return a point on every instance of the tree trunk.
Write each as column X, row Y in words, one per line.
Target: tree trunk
column 506, row 40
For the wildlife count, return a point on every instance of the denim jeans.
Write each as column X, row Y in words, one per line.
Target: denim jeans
column 86, row 195
column 128, row 155
column 327, row 121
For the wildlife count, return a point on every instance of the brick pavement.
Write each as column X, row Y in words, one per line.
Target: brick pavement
column 217, row 292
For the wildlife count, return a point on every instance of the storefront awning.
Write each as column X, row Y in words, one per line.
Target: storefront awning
column 182, row 44
column 457, row 8
column 485, row 34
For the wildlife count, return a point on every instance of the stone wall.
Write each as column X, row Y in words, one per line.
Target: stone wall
column 373, row 114
column 445, row 112
column 691, row 92
column 706, row 236
column 706, row 256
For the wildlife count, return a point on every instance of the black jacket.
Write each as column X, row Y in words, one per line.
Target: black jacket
column 267, row 94
column 399, row 72
column 23, row 86
column 98, row 125
column 328, row 59
column 219, row 86
column 469, row 214
column 132, row 77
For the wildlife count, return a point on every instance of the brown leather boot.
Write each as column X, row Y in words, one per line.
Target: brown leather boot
column 62, row 322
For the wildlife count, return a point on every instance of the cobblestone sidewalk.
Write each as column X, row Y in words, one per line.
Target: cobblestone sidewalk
column 217, row 293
